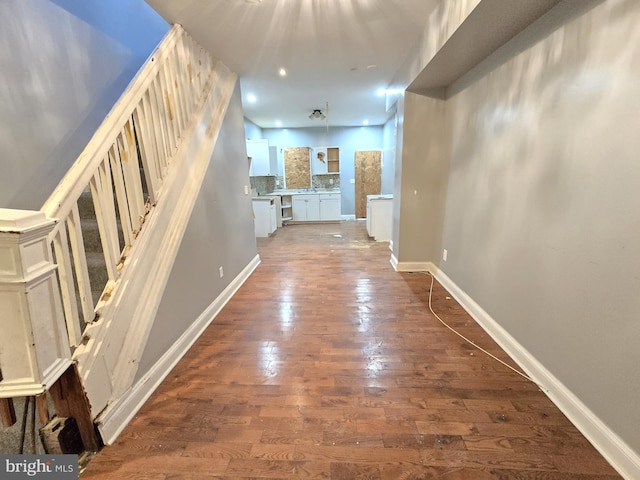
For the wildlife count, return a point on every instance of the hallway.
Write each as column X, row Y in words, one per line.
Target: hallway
column 328, row 364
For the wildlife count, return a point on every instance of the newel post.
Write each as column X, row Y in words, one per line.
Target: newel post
column 34, row 346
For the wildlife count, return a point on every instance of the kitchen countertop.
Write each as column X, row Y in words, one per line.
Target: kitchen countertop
column 303, row 191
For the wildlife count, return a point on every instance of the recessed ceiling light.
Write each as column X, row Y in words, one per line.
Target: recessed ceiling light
column 369, row 67
column 365, row 122
column 282, row 72
column 251, row 98
column 381, row 92
column 278, row 123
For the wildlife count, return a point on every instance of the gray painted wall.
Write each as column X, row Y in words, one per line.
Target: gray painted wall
column 252, row 131
column 62, row 68
column 389, row 155
column 422, row 178
column 220, row 233
column 542, row 217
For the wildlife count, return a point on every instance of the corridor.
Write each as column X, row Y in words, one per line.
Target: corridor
column 328, row 364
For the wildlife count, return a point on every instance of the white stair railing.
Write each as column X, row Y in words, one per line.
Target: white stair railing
column 141, row 133
column 165, row 126
column 142, row 171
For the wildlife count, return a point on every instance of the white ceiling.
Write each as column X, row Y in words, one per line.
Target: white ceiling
column 339, row 52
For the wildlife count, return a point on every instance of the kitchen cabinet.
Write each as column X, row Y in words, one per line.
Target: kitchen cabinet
column 333, row 160
column 286, row 208
column 325, row 160
column 316, row 207
column 277, row 202
column 306, row 208
column 318, row 160
column 258, row 151
column 330, row 209
column 380, row 217
column 265, row 217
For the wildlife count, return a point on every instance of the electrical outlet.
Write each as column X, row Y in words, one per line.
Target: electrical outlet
column 353, row 180
column 221, row 272
column 444, row 255
column 246, row 189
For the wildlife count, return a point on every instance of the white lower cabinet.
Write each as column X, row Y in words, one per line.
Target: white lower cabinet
column 306, row 208
column 330, row 209
column 380, row 217
column 316, row 207
column 265, row 218
column 286, row 208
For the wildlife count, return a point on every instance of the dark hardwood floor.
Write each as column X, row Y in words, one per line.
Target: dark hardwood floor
column 328, row 364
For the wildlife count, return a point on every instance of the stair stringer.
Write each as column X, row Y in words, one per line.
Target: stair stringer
column 109, row 359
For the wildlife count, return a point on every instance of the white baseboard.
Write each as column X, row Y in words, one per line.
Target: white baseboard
column 409, row 266
column 348, row 217
column 118, row 414
column 621, row 457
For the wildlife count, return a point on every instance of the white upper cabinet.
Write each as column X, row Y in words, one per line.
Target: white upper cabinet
column 325, row 160
column 258, row 151
column 318, row 160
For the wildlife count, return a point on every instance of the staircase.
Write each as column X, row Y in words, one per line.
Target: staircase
column 110, row 231
column 96, row 265
column 95, row 259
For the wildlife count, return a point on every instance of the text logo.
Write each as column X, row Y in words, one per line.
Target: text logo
column 52, row 467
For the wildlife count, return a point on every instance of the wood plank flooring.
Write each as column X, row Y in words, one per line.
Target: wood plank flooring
column 328, row 365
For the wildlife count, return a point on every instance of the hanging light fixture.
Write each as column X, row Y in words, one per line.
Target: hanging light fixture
column 317, row 114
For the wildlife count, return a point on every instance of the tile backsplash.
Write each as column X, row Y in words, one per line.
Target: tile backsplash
column 263, row 185
column 267, row 184
column 326, row 181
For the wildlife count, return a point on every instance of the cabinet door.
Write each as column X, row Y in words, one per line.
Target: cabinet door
column 381, row 212
column 306, row 208
column 299, row 208
column 258, row 150
column 330, row 208
column 313, row 208
column 262, row 218
column 318, row 160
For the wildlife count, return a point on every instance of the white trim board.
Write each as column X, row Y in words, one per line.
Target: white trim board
column 409, row 266
column 117, row 415
column 621, row 457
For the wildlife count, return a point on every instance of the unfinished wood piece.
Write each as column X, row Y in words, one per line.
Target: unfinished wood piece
column 61, row 436
column 42, row 407
column 297, row 167
column 368, row 178
column 69, row 400
column 7, row 410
